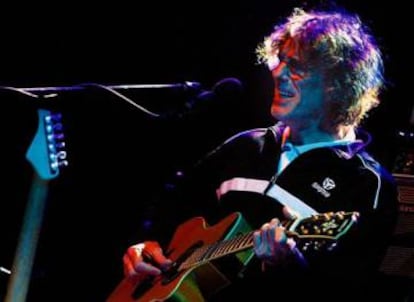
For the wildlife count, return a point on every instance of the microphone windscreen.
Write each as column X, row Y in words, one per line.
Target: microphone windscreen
column 228, row 87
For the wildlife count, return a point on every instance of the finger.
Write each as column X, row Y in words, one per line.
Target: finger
column 260, row 244
column 130, row 273
column 273, row 225
column 274, row 222
column 155, row 254
column 257, row 243
column 268, row 230
column 291, row 243
column 270, row 239
column 280, row 236
column 146, row 269
column 265, row 226
column 266, row 240
column 159, row 258
column 131, row 262
column 135, row 268
column 129, row 270
column 134, row 253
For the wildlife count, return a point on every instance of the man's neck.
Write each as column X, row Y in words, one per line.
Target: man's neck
column 315, row 135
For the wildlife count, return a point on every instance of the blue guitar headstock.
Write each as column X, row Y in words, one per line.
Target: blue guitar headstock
column 47, row 152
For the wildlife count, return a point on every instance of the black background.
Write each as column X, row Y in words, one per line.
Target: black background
column 120, row 158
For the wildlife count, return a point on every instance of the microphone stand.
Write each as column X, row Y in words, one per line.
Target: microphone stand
column 52, row 91
column 185, row 86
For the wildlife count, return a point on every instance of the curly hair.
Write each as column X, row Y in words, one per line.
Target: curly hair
column 346, row 52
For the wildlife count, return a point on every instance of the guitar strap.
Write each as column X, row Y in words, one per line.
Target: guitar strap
column 287, row 199
column 272, row 190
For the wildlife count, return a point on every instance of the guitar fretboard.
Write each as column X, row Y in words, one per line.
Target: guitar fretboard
column 316, row 232
column 218, row 249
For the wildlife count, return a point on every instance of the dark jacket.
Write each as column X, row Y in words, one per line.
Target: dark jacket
column 343, row 178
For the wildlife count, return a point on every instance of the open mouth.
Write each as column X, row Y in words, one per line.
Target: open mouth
column 286, row 94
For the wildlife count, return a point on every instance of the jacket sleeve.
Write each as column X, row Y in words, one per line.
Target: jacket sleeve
column 354, row 263
column 191, row 192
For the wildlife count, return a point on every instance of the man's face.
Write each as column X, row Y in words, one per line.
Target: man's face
column 298, row 92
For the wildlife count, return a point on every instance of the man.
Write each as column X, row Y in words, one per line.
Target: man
column 327, row 72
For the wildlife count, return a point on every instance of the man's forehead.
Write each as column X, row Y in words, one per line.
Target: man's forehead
column 287, row 49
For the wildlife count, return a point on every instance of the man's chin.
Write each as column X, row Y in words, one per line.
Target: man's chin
column 279, row 112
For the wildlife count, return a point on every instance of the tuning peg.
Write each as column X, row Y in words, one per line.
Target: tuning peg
column 304, row 230
column 54, row 127
column 53, row 117
column 340, row 215
column 55, row 137
column 59, row 136
column 305, row 247
column 63, row 163
column 60, row 145
column 355, row 216
column 331, row 246
column 328, row 216
column 58, row 164
column 316, row 229
column 56, row 147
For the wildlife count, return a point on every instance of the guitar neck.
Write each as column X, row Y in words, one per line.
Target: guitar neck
column 29, row 236
column 316, row 232
column 46, row 154
column 219, row 249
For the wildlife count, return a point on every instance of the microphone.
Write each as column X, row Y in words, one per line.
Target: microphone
column 226, row 90
column 228, row 87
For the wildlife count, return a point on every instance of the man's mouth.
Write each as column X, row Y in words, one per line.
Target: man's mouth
column 286, row 94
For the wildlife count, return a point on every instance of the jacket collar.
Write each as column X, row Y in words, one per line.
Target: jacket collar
column 363, row 138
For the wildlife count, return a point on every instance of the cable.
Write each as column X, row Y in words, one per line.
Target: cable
column 123, row 97
column 19, row 90
column 26, row 91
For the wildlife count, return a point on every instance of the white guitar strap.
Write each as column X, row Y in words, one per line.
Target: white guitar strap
column 272, row 190
column 287, row 199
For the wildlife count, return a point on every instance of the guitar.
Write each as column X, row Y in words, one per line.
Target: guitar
column 196, row 246
column 47, row 156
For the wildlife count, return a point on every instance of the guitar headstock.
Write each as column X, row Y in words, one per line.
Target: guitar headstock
column 322, row 231
column 47, row 152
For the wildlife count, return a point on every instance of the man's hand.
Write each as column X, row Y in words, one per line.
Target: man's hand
column 144, row 259
column 273, row 246
column 271, row 243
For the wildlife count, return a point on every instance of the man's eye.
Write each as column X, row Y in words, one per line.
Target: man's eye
column 296, row 68
column 294, row 65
